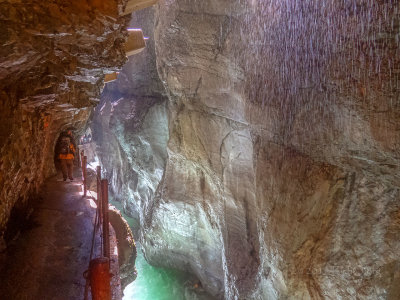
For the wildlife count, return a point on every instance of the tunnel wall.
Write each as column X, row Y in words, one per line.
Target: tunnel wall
column 53, row 56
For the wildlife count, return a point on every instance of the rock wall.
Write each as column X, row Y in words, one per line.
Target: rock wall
column 282, row 177
column 53, row 55
column 272, row 171
column 130, row 125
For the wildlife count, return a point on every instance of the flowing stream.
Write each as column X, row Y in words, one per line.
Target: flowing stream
column 154, row 283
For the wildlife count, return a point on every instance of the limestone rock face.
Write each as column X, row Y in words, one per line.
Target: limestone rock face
column 132, row 153
column 282, row 177
column 278, row 176
column 53, row 56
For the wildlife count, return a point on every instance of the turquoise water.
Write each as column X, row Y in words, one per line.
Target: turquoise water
column 155, row 283
column 159, row 283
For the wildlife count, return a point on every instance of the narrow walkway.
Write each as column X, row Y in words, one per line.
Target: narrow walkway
column 49, row 258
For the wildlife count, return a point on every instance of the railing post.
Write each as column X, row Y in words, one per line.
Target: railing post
column 100, row 278
column 99, row 201
column 84, row 175
column 106, row 235
column 81, row 161
column 82, row 154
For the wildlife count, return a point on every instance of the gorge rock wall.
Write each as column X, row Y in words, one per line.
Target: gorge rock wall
column 282, row 177
column 272, row 171
column 53, row 56
column 130, row 126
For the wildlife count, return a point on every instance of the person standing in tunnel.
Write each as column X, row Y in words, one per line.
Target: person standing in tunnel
column 70, row 135
column 66, row 156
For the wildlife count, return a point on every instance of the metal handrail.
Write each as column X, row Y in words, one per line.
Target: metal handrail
column 98, row 273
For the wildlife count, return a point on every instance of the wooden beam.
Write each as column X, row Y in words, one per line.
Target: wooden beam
column 110, row 77
column 135, row 42
column 134, row 5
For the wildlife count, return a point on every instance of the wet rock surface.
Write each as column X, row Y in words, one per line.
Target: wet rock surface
column 126, row 247
column 281, row 179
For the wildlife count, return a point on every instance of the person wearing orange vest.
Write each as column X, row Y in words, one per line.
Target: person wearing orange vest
column 66, row 156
